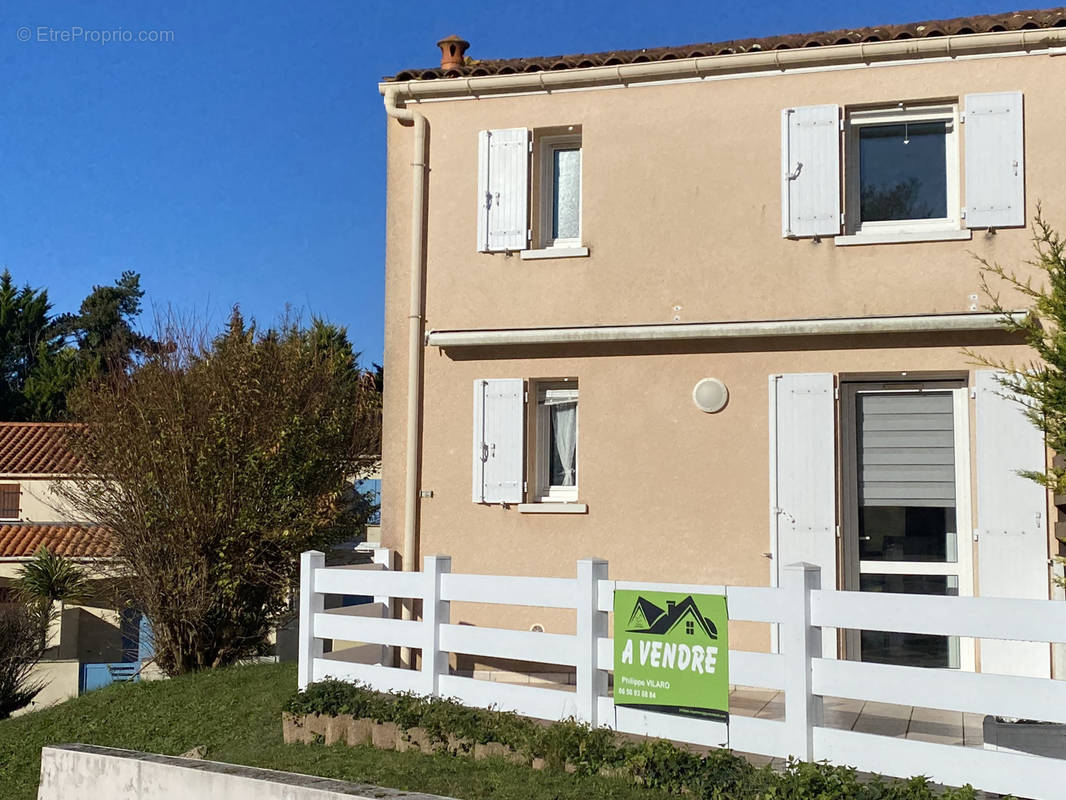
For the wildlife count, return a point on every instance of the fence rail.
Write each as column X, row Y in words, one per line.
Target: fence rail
column 799, row 607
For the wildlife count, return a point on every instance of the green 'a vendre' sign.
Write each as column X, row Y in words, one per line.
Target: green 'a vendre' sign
column 671, row 653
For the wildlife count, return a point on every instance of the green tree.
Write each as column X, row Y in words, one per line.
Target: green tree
column 103, row 331
column 214, row 463
column 28, row 337
column 1039, row 384
column 46, row 388
column 42, row 357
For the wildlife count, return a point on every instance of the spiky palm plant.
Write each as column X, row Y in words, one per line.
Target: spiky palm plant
column 47, row 579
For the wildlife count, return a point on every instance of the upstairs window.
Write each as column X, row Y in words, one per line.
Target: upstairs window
column 559, row 223
column 903, row 178
column 902, row 169
column 529, row 192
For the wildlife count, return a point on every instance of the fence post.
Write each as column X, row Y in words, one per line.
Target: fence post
column 800, row 643
column 435, row 612
column 311, row 603
column 591, row 625
column 383, row 556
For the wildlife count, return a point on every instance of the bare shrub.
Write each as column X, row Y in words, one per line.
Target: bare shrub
column 20, row 649
column 214, row 463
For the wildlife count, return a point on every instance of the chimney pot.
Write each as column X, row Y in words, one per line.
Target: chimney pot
column 452, row 50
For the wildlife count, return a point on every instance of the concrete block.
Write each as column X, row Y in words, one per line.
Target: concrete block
column 84, row 772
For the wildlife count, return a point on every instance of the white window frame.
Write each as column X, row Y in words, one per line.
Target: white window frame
column 546, row 149
column 544, row 491
column 855, row 120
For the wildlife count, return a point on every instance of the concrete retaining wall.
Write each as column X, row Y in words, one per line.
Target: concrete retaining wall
column 84, row 772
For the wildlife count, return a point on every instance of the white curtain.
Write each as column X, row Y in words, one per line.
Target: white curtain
column 564, row 427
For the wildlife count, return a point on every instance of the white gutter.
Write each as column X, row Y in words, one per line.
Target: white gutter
column 857, row 54
column 509, row 337
column 415, row 322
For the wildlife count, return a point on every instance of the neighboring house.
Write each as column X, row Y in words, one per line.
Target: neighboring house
column 99, row 640
column 709, row 305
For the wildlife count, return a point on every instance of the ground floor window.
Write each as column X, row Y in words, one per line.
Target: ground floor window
column 556, row 449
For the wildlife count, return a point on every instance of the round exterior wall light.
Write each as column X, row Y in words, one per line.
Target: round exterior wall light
column 710, row 395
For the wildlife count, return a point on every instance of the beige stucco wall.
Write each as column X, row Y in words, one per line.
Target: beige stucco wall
column 41, row 503
column 681, row 207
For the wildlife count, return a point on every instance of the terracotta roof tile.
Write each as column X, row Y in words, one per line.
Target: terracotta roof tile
column 35, row 448
column 21, row 539
column 1009, row 21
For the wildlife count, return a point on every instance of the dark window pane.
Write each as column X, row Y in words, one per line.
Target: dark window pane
column 945, row 585
column 906, row 649
column 903, row 171
column 910, row 649
column 894, row 533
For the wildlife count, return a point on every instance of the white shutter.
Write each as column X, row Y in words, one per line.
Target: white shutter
column 803, row 478
column 503, row 189
column 995, row 162
column 810, row 167
column 498, row 440
column 1012, row 538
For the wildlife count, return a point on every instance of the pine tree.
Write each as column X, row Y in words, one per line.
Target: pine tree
column 1039, row 384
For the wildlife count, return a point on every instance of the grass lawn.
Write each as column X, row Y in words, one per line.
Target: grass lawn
column 236, row 714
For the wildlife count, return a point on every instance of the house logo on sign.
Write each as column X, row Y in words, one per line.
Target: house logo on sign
column 649, row 618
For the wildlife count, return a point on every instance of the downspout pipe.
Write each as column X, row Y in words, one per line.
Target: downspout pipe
column 395, row 108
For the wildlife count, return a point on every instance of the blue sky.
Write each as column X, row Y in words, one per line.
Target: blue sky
column 243, row 161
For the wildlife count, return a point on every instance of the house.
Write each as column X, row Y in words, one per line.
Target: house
column 99, row 639
column 704, row 311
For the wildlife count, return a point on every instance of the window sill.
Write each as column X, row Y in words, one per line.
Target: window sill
column 904, row 236
column 553, row 508
column 554, row 252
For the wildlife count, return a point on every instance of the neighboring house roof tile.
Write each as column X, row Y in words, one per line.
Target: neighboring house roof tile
column 19, row 540
column 987, row 23
column 35, row 448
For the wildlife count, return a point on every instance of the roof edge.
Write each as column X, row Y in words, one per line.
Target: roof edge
column 1022, row 41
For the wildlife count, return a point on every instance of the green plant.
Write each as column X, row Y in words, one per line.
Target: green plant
column 661, row 765
column 333, row 697
column 656, row 765
column 46, row 579
column 584, row 748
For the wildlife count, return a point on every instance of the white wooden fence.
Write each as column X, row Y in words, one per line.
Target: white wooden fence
column 799, row 606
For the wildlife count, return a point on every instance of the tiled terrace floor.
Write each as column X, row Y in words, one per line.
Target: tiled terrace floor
column 911, row 722
column 924, row 724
